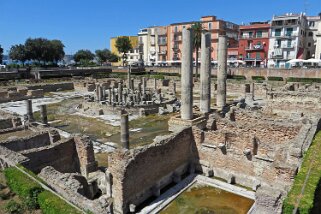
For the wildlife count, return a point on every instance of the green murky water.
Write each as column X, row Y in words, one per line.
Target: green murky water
column 208, row 200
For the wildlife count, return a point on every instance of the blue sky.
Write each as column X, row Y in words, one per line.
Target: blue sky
column 88, row 24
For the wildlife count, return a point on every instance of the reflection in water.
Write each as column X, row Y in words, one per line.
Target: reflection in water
column 208, row 200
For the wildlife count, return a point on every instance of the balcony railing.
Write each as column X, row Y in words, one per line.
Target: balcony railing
column 288, row 46
column 277, row 56
column 162, row 52
column 253, row 37
column 285, row 35
column 254, row 48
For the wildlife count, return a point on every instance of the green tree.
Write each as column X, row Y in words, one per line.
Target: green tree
column 44, row 50
column 197, row 30
column 1, row 54
column 106, row 55
column 18, row 52
column 57, row 52
column 123, row 45
column 83, row 56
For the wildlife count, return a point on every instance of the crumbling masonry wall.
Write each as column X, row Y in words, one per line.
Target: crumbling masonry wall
column 61, row 155
column 254, row 149
column 34, row 141
column 136, row 172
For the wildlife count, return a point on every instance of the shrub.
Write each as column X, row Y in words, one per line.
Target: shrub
column 23, row 186
column 258, row 78
column 307, row 80
column 275, row 78
column 236, row 77
column 13, row 207
column 51, row 204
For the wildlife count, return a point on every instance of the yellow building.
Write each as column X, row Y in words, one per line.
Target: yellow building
column 133, row 40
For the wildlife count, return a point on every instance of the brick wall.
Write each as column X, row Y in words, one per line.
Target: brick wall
column 136, row 171
column 62, row 156
column 35, row 141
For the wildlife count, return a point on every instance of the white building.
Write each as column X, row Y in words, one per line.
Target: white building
column 133, row 56
column 287, row 39
column 311, row 40
column 317, row 54
column 153, row 45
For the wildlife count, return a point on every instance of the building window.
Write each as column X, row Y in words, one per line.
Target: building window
column 310, row 34
column 250, row 34
column 258, row 56
column 311, row 24
column 289, row 43
column 184, row 26
column 309, row 44
column 241, row 56
column 176, row 29
column 210, row 26
column 277, row 32
column 259, row 34
column 288, row 53
column 289, row 31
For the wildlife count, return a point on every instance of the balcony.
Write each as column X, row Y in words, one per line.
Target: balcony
column 162, row 43
column 253, row 37
column 162, row 52
column 286, row 46
column 177, row 32
column 255, row 48
column 176, row 49
column 285, row 35
column 252, row 59
column 177, row 39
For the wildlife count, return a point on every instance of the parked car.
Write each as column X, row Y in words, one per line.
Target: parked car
column 2, row 66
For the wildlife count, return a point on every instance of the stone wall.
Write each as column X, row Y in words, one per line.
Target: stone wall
column 17, row 94
column 136, row 173
column 10, row 158
column 86, row 156
column 255, row 148
column 249, row 72
column 66, row 86
column 25, row 143
column 73, row 187
column 61, row 155
column 6, row 123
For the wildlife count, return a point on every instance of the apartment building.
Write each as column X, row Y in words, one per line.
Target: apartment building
column 153, row 45
column 215, row 26
column 254, row 44
column 311, row 39
column 318, row 43
column 287, row 39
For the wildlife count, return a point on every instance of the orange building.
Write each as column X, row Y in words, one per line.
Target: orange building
column 215, row 26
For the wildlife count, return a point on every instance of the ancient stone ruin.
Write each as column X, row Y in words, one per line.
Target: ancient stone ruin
column 257, row 140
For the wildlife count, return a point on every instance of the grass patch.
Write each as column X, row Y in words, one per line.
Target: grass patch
column 23, row 186
column 51, row 204
column 307, row 202
column 306, row 80
column 275, row 78
column 33, row 195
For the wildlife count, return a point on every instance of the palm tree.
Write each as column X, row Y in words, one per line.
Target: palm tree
column 197, row 29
